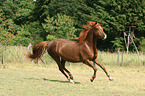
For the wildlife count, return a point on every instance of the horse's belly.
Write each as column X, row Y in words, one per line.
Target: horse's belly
column 70, row 54
column 75, row 56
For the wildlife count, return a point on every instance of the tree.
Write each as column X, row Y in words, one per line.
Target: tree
column 9, row 31
column 142, row 45
column 23, row 14
column 60, row 26
column 41, row 10
column 73, row 8
column 30, row 33
column 32, row 18
column 118, row 15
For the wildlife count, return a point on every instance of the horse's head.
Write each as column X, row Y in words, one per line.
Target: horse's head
column 98, row 30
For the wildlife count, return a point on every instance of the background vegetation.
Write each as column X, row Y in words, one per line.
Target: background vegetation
column 15, row 54
column 28, row 21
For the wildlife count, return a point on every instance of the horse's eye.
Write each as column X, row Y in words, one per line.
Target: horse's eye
column 97, row 28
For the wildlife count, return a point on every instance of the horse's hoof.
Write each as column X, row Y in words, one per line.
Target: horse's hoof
column 111, row 79
column 71, row 81
column 91, row 80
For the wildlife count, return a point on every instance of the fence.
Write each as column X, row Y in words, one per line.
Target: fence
column 14, row 54
column 2, row 56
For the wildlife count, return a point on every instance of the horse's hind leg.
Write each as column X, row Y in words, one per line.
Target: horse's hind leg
column 57, row 59
column 63, row 65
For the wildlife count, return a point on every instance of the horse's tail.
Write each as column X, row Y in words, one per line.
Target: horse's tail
column 38, row 50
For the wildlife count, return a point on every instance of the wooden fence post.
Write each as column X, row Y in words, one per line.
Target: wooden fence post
column 29, row 47
column 136, row 50
column 118, row 56
column 3, row 56
column 122, row 58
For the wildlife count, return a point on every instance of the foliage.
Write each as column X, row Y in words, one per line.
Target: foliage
column 50, row 37
column 37, row 19
column 6, row 38
column 118, row 15
column 30, row 34
column 24, row 11
column 142, row 45
column 9, row 30
column 60, row 26
column 118, row 43
column 41, row 10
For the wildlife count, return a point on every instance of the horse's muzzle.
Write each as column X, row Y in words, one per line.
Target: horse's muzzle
column 104, row 37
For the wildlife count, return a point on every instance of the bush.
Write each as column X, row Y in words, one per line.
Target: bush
column 30, row 34
column 60, row 26
column 50, row 37
column 142, row 45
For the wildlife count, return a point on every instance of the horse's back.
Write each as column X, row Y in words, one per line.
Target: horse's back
column 70, row 50
column 66, row 49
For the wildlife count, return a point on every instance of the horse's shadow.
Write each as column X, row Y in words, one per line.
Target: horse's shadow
column 59, row 81
column 53, row 80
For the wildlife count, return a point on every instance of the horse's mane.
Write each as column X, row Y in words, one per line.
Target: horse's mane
column 85, row 31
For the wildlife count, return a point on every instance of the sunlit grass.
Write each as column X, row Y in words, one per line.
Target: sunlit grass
column 29, row 79
column 23, row 77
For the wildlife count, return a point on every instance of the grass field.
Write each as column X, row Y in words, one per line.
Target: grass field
column 28, row 79
column 21, row 77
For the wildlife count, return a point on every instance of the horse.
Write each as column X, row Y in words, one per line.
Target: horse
column 82, row 50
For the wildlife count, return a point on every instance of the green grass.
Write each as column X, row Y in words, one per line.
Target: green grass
column 28, row 79
column 22, row 77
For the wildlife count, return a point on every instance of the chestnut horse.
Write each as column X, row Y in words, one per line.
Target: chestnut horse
column 83, row 50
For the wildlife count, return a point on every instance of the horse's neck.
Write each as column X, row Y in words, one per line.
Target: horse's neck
column 91, row 40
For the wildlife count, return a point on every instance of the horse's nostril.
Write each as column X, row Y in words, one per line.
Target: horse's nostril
column 105, row 36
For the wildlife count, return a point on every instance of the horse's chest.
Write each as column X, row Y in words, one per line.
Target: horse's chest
column 87, row 52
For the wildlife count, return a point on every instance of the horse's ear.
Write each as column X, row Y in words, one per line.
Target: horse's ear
column 101, row 22
column 96, row 22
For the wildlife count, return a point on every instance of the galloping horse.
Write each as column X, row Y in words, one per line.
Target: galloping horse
column 83, row 50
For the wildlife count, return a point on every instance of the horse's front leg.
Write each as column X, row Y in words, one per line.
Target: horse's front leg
column 90, row 64
column 100, row 65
